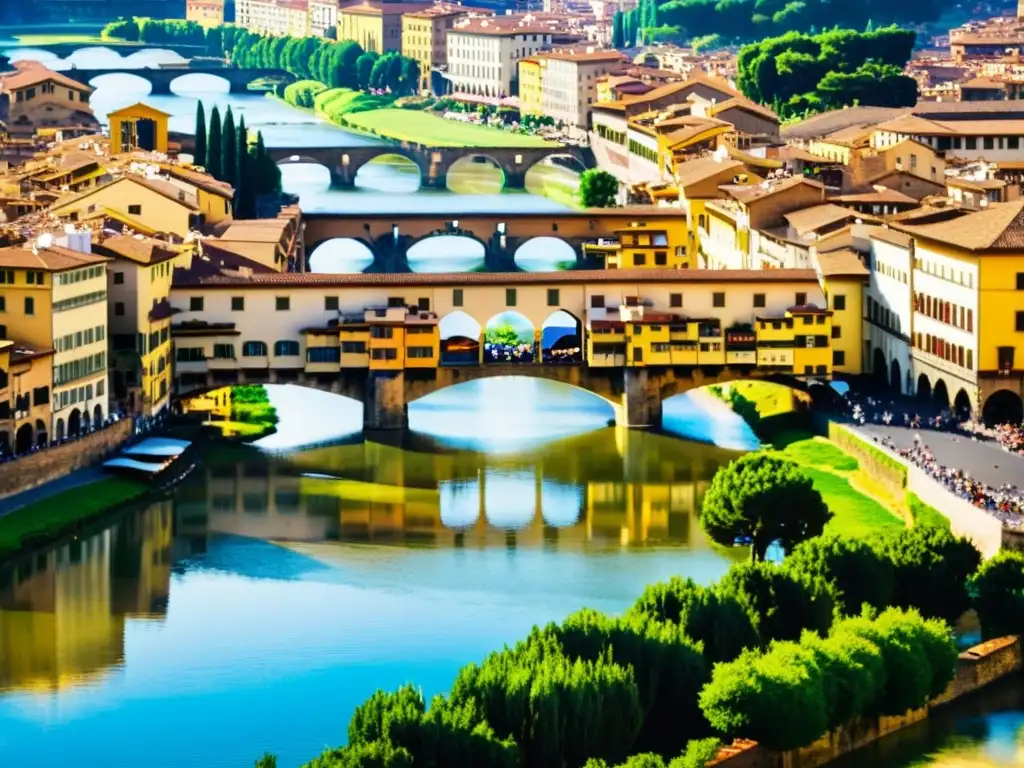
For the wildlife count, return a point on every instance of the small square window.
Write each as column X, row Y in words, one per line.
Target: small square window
column 423, row 304
column 801, row 299
column 457, row 297
column 838, row 357
column 1020, row 321
column 837, row 332
column 134, row 210
column 195, row 304
column 510, row 297
column 675, row 299
column 282, row 303
column 119, row 309
column 718, row 299
column 597, row 302
column 30, row 305
column 839, row 302
column 238, row 303
column 119, row 278
column 331, row 303
column 1020, row 281
column 554, row 299
column 759, row 301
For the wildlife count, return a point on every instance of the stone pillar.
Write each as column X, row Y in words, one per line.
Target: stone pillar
column 341, row 178
column 514, row 179
column 641, row 398
column 384, row 406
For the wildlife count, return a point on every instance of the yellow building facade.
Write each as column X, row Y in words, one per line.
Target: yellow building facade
column 138, row 126
column 531, row 90
column 26, row 381
column 154, row 204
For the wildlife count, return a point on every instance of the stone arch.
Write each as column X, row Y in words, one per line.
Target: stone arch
column 940, row 394
column 571, row 157
column 379, row 160
column 359, row 259
column 924, row 387
column 545, row 253
column 460, row 339
column 97, row 81
column 1003, row 407
column 879, row 368
column 459, row 245
column 357, row 161
column 74, row 423
column 895, row 376
column 60, row 433
column 962, row 404
column 466, row 161
column 24, row 438
column 97, row 415
column 509, row 337
column 559, row 341
column 86, row 421
column 201, row 73
column 41, row 436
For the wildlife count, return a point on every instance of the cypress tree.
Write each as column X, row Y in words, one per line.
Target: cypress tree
column 245, row 199
column 229, row 151
column 268, row 174
column 213, row 146
column 617, row 38
column 199, row 153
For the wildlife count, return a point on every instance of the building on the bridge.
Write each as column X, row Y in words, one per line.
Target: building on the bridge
column 138, row 127
column 568, row 82
column 55, row 297
column 483, row 54
column 654, row 244
column 376, row 26
column 206, row 13
column 139, row 322
column 697, row 182
column 425, row 36
column 26, row 380
column 34, row 100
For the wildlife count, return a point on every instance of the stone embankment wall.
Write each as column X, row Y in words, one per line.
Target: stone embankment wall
column 976, row 668
column 38, row 468
column 986, row 532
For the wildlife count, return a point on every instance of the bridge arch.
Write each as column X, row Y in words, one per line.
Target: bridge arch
column 352, row 161
column 561, row 338
column 940, row 395
column 371, row 174
column 545, row 254
column 341, row 255
column 133, row 82
column 460, row 339
column 447, row 252
column 509, row 338
column 464, row 176
column 199, row 81
column 568, row 160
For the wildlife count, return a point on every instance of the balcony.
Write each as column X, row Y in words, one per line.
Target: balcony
column 385, row 315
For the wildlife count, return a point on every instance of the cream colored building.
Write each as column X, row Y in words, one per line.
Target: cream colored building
column 484, row 54
column 323, row 16
column 34, row 98
column 274, row 17
column 206, row 13
column 568, row 82
column 375, row 26
column 425, row 36
column 55, row 297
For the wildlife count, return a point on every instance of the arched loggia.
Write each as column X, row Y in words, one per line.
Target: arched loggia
column 509, row 338
column 879, row 368
column 460, row 339
column 561, row 338
column 924, row 388
column 962, row 404
column 1003, row 407
column 940, row 395
column 895, row 376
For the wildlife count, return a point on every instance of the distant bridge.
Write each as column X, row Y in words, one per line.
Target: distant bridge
column 160, row 79
column 389, row 236
column 434, row 162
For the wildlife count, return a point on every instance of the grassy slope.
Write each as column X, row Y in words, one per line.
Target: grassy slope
column 425, row 128
column 49, row 517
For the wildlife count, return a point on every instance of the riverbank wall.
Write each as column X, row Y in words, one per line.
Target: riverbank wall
column 38, row 468
column 976, row 667
column 900, row 477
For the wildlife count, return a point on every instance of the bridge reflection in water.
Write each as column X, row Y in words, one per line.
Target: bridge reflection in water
column 64, row 609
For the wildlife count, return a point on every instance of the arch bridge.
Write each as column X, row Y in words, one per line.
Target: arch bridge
column 160, row 80
column 635, row 394
column 434, row 162
column 389, row 236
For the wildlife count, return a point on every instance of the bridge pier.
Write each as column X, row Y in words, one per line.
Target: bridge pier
column 384, row 406
column 341, row 178
column 514, row 179
column 641, row 398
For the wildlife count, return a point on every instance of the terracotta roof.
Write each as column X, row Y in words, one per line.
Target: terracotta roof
column 892, row 236
column 202, row 180
column 986, row 83
column 838, row 119
column 844, row 262
column 614, row 276
column 929, row 214
column 1000, row 226
column 818, row 216
column 22, row 351
column 582, row 56
column 501, row 26
column 739, row 102
column 880, row 196
column 161, row 187
column 850, row 135
column 797, row 153
column 162, row 310
column 695, row 171
column 754, row 192
column 381, row 9
column 912, row 125
column 34, row 75
column 51, row 259
column 447, row 10
column 670, row 89
column 141, row 250
column 978, row 185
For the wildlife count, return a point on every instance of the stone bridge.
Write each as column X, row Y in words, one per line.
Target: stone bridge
column 160, row 79
column 635, row 394
column 390, row 236
column 434, row 162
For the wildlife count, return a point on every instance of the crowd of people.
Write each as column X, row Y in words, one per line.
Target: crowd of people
column 566, row 355
column 1006, row 502
column 508, row 353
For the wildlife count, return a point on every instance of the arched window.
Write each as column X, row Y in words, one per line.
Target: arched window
column 286, row 348
column 160, row 365
column 254, row 349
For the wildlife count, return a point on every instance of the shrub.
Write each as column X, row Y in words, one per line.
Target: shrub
column 998, row 590
column 781, row 604
column 698, row 754
column 718, row 621
column 855, row 572
column 303, row 93
column 932, row 569
column 853, row 674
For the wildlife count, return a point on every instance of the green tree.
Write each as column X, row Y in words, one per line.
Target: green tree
column 199, row 153
column 716, row 620
column 699, row 753
column 998, row 590
column 229, row 149
column 214, row 154
column 267, row 173
column 932, row 569
column 364, row 68
column 245, row 195
column 598, row 189
column 762, row 498
column 856, row 572
column 618, row 39
column 504, row 335
column 121, row 29
column 267, row 761
column 410, row 78
column 780, row 604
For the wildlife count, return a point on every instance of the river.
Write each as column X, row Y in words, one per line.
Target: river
column 386, row 184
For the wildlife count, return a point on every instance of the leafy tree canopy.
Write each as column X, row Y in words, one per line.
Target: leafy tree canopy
column 598, row 189
column 998, row 589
